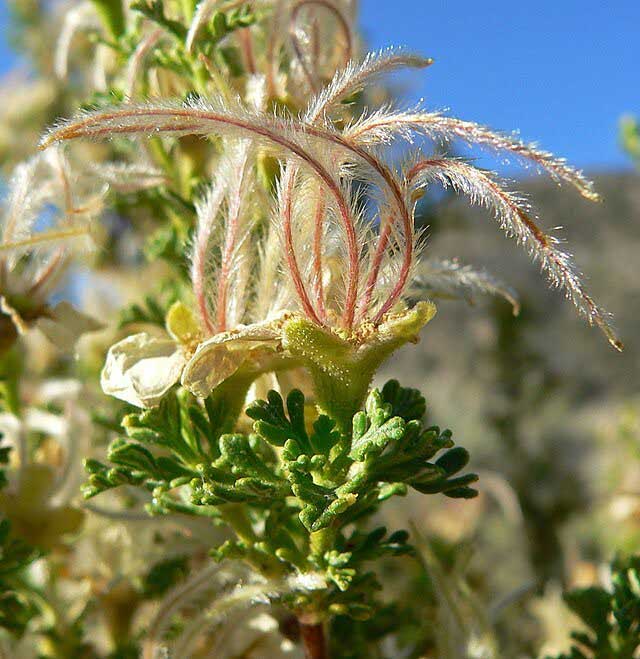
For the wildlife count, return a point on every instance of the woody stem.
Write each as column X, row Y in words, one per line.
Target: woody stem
column 313, row 640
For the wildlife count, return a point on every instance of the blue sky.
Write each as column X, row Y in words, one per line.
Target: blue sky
column 560, row 71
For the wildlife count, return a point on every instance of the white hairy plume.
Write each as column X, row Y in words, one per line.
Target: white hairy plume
column 225, row 605
column 324, row 236
column 136, row 61
column 288, row 139
column 512, row 215
column 221, row 243
column 232, row 279
column 200, row 17
column 273, row 292
column 30, row 188
column 451, row 279
column 125, row 177
column 355, row 75
column 202, row 585
column 43, row 188
column 81, row 17
column 208, row 210
column 234, row 600
column 312, row 51
column 385, row 124
column 22, row 204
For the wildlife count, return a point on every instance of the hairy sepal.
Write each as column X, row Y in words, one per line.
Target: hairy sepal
column 343, row 368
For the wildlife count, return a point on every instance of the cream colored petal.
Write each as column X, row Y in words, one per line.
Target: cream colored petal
column 46, row 423
column 220, row 357
column 210, row 365
column 65, row 325
column 10, row 428
column 141, row 369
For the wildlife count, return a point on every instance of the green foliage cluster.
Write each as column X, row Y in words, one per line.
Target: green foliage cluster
column 22, row 600
column 303, row 483
column 16, row 610
column 611, row 616
column 15, row 556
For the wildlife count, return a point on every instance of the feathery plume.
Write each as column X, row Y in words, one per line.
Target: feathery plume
column 211, row 578
column 83, row 16
column 125, row 177
column 136, row 60
column 508, row 210
column 200, row 17
column 382, row 125
column 378, row 262
column 208, row 118
column 452, row 279
column 208, row 210
column 310, row 63
column 354, row 76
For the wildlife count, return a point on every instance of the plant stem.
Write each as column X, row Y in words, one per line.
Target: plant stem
column 313, row 640
column 226, row 402
column 236, row 517
column 322, row 541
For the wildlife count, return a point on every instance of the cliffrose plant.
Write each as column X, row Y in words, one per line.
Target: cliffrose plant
column 260, row 168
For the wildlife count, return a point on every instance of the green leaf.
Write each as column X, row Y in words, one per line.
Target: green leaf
column 374, row 430
column 407, row 403
column 154, row 11
column 272, row 424
column 132, row 455
column 325, row 436
column 237, row 454
column 454, row 460
column 446, row 485
column 111, row 13
column 612, row 616
column 592, row 606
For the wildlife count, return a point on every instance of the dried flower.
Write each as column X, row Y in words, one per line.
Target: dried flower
column 32, row 262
